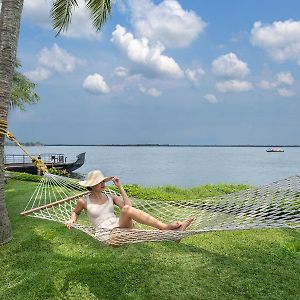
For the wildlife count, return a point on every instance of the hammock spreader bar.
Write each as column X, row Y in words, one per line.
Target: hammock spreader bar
column 59, row 202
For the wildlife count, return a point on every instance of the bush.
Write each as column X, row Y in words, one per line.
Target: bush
column 23, row 176
column 55, row 171
column 176, row 193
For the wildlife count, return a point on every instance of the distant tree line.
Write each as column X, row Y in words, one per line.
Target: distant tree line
column 10, row 143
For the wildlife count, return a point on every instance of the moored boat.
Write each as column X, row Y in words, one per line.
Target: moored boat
column 22, row 163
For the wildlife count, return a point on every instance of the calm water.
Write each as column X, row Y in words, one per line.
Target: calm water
column 182, row 166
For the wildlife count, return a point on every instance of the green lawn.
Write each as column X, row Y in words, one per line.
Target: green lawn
column 46, row 261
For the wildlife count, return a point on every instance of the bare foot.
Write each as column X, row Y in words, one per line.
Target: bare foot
column 173, row 226
column 186, row 224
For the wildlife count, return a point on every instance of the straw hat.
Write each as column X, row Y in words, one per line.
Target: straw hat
column 93, row 178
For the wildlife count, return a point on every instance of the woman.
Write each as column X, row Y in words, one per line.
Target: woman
column 100, row 207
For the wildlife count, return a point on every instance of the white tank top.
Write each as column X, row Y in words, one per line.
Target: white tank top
column 102, row 215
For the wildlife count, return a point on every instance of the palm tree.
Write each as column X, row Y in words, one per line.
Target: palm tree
column 9, row 33
column 10, row 16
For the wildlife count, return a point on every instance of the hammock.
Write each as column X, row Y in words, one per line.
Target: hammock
column 276, row 205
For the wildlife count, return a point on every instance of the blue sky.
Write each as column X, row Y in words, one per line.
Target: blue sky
column 177, row 72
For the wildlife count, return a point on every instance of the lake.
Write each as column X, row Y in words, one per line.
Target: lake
column 181, row 166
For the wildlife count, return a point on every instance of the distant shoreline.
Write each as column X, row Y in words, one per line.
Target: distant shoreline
column 166, row 145
column 150, row 145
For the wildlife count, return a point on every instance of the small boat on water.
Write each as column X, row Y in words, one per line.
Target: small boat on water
column 275, row 150
column 22, row 163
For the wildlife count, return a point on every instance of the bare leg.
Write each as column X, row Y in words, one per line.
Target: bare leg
column 129, row 213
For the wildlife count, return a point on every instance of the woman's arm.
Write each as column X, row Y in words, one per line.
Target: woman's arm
column 118, row 201
column 76, row 212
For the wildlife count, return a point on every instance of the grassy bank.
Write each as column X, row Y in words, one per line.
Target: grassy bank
column 46, row 261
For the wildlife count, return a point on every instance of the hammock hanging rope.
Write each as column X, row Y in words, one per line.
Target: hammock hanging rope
column 276, row 205
column 38, row 162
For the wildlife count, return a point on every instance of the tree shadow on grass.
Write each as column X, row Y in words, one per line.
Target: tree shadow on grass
column 49, row 262
column 45, row 261
column 168, row 270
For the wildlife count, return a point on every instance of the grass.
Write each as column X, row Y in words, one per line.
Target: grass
column 46, row 261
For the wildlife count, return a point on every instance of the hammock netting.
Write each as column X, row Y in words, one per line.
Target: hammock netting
column 276, row 205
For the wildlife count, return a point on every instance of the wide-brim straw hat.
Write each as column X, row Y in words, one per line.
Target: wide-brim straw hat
column 93, row 178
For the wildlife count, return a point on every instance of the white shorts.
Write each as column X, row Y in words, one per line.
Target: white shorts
column 110, row 223
column 104, row 229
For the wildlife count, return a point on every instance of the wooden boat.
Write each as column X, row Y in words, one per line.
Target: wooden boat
column 275, row 150
column 22, row 163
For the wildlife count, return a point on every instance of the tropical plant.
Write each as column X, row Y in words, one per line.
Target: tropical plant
column 23, row 90
column 10, row 17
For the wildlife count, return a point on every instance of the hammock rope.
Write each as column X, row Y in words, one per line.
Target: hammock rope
column 38, row 162
column 276, row 205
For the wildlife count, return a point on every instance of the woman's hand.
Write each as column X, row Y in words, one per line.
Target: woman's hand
column 125, row 200
column 116, row 181
column 70, row 223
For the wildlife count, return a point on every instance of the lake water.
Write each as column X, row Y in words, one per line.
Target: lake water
column 181, row 166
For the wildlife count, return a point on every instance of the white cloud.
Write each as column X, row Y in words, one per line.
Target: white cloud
column 39, row 74
column 194, row 76
column 281, row 39
column 234, row 86
column 285, row 92
column 51, row 60
column 153, row 92
column 95, row 84
column 166, row 22
column 285, row 78
column 230, row 65
column 266, row 85
column 282, row 78
column 211, row 98
column 148, row 56
column 38, row 13
column 58, row 59
column 121, row 72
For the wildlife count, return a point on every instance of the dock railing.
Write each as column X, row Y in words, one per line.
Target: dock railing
column 24, row 159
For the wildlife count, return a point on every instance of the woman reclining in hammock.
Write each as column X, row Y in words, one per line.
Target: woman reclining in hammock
column 100, row 207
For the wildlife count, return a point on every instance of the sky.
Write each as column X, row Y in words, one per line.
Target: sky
column 164, row 72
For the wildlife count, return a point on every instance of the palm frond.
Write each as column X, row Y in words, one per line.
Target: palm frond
column 99, row 10
column 23, row 91
column 61, row 14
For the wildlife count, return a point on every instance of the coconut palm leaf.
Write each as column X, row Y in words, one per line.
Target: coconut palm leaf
column 61, row 13
column 99, row 10
column 23, row 90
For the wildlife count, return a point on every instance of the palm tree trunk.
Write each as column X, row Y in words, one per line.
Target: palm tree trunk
column 10, row 16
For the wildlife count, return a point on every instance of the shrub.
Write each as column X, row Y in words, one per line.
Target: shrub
column 23, row 176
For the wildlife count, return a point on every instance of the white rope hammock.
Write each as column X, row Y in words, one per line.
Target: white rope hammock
column 276, row 205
